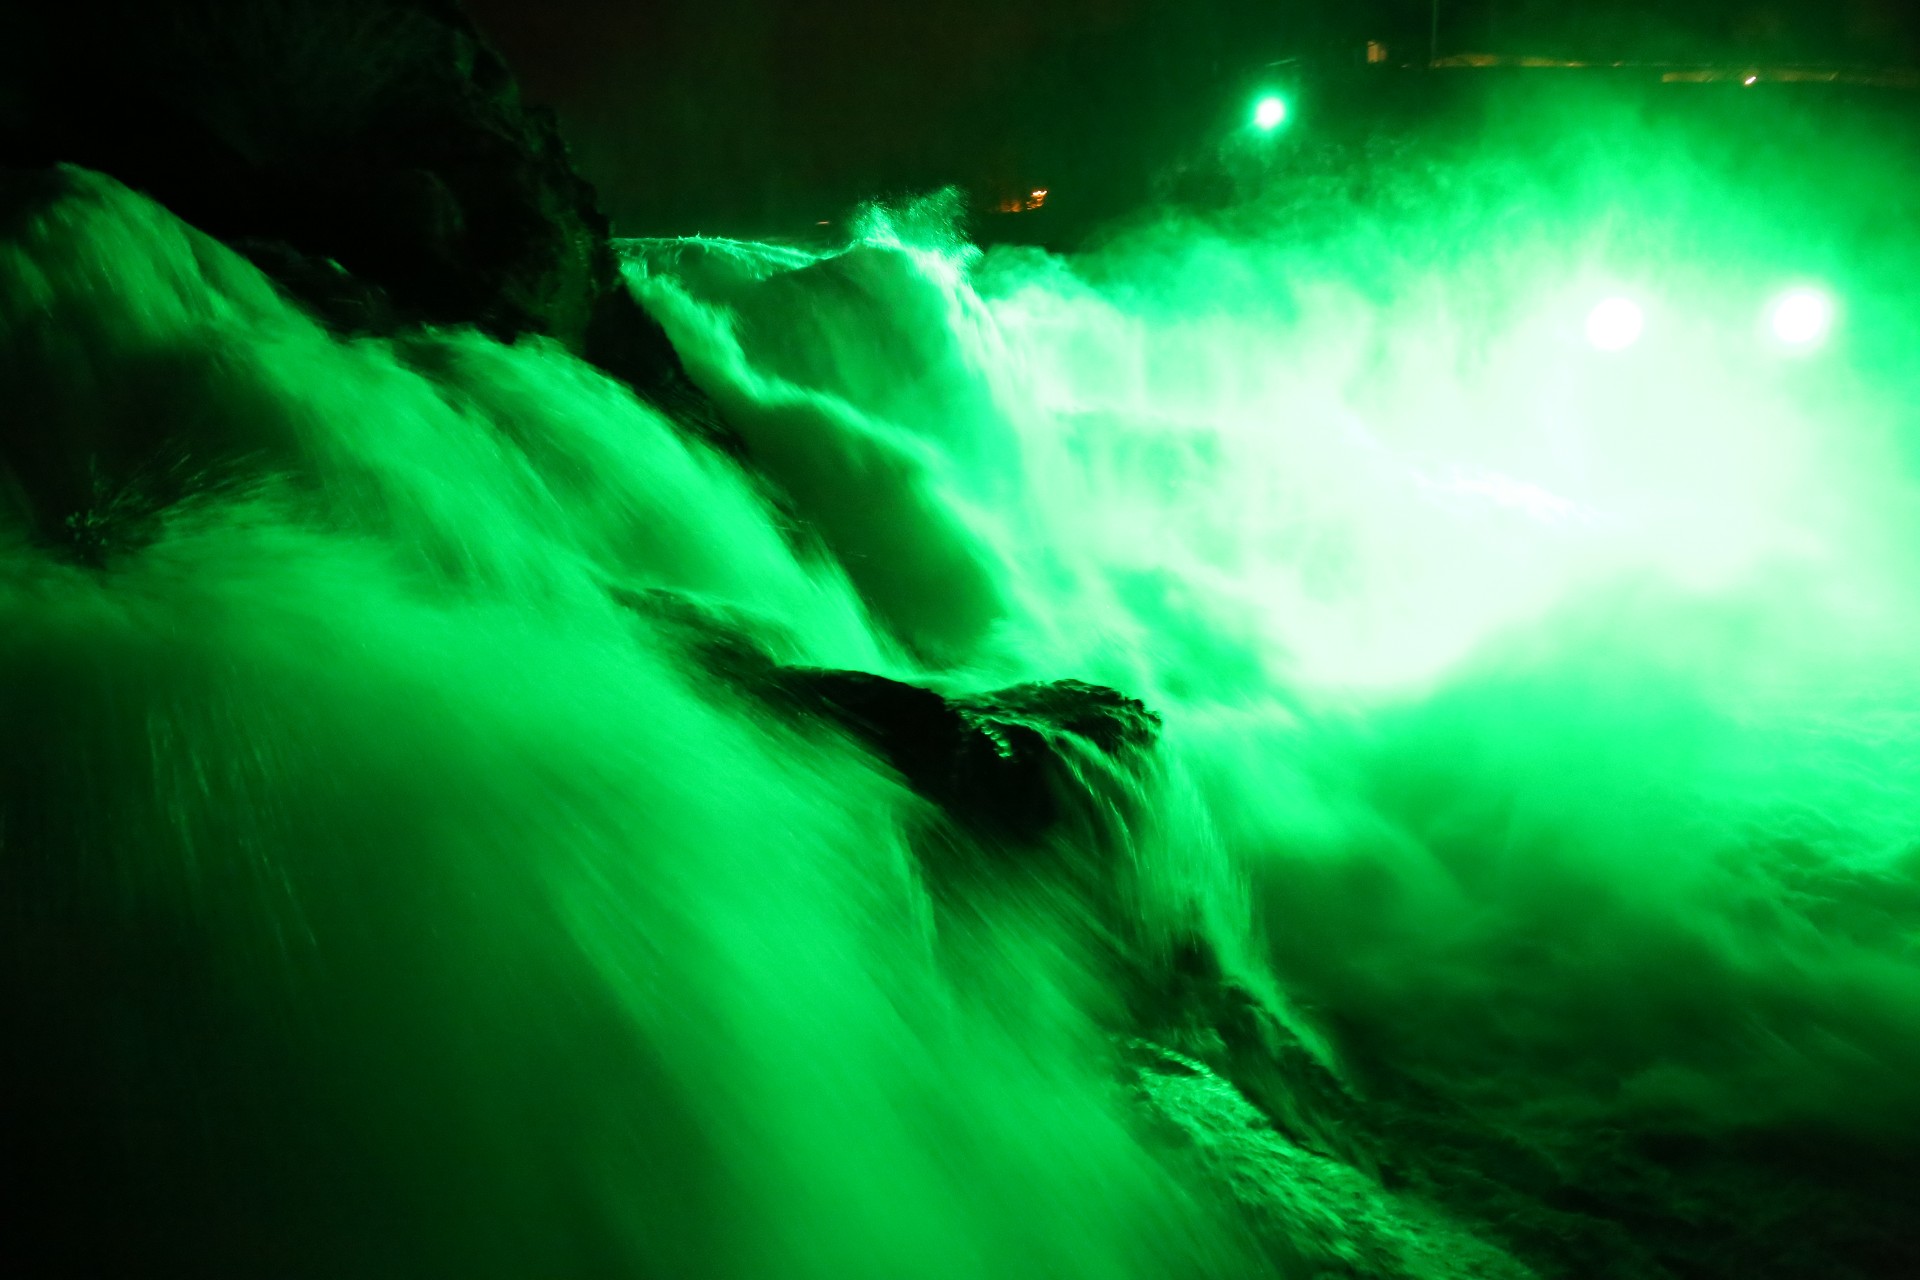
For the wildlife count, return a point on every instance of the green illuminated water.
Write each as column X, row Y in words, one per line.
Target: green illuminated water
column 1540, row 735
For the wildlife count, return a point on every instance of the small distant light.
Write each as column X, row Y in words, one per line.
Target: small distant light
column 822, row 223
column 1615, row 324
column 1269, row 112
column 1751, row 80
column 1801, row 317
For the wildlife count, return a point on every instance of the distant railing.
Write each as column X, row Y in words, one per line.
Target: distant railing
column 1696, row 73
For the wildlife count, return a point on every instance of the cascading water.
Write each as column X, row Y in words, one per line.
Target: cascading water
column 395, row 890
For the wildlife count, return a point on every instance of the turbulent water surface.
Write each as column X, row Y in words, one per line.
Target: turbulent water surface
column 394, row 888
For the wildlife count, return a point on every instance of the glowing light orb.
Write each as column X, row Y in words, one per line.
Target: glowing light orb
column 1269, row 112
column 1615, row 324
column 1801, row 317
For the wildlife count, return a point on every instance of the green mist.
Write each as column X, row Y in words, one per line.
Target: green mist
column 387, row 898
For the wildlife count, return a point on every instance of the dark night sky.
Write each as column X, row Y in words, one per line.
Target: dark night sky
column 734, row 111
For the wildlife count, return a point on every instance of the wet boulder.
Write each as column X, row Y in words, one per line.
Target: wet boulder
column 1010, row 764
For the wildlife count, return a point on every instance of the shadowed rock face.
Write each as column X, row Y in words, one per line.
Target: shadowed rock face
column 373, row 156
column 1001, row 764
column 1007, row 766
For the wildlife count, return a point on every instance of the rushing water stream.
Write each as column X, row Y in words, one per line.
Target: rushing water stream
column 1540, row 722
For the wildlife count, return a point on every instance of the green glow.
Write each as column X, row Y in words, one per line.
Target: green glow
column 1269, row 112
column 1543, row 740
column 1615, row 324
column 1801, row 317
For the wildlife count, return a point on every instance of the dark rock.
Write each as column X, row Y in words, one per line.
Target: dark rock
column 1309, row 1214
column 1009, row 764
column 1007, row 767
column 1108, row 719
column 719, row 643
column 341, row 300
column 627, row 342
column 372, row 156
column 1191, row 1004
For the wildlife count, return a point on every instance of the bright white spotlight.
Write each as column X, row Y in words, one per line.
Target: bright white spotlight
column 1616, row 324
column 1269, row 112
column 1801, row 317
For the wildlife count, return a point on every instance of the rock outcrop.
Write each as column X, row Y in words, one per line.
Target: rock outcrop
column 374, row 157
column 1310, row 1215
column 1002, row 764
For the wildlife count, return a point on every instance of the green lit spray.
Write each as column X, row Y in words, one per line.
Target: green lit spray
column 1540, row 723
